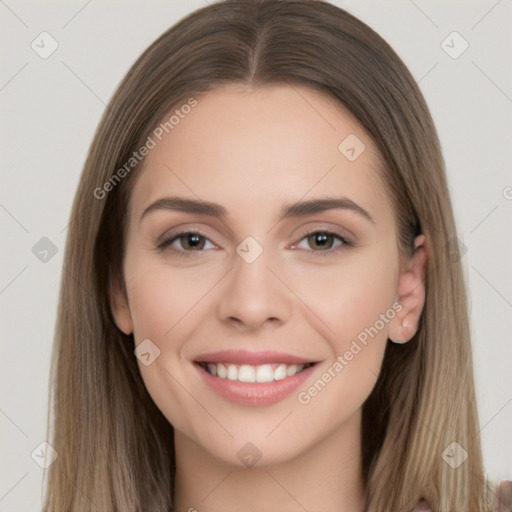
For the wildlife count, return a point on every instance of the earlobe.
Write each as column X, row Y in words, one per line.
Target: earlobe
column 411, row 295
column 120, row 308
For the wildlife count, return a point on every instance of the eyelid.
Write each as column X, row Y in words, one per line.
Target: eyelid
column 333, row 230
column 182, row 229
column 165, row 241
column 345, row 241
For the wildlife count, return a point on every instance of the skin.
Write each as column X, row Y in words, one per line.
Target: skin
column 251, row 151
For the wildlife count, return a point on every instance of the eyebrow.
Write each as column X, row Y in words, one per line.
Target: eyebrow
column 298, row 209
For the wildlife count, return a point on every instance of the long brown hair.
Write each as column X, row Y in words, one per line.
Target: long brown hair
column 115, row 447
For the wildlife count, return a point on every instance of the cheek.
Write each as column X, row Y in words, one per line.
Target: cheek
column 354, row 302
column 161, row 296
column 356, row 305
column 163, row 302
column 351, row 297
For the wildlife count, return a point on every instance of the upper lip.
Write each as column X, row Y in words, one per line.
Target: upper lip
column 249, row 357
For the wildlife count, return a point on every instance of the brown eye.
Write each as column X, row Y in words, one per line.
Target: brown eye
column 186, row 242
column 322, row 243
column 320, row 240
column 192, row 241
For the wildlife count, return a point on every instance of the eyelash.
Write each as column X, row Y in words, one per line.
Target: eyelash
column 189, row 253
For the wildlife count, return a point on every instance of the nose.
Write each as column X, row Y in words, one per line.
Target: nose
column 254, row 294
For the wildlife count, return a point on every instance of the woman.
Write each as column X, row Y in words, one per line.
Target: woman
column 205, row 357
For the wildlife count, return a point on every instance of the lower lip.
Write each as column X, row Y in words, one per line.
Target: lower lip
column 254, row 393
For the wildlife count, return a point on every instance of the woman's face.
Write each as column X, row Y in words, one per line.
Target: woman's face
column 262, row 279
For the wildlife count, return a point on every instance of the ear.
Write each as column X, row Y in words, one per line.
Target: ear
column 120, row 307
column 411, row 294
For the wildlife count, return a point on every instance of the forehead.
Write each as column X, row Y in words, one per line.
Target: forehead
column 252, row 147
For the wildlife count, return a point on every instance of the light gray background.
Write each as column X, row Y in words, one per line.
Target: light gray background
column 50, row 109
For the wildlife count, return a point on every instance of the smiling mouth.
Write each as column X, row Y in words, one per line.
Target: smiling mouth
column 253, row 373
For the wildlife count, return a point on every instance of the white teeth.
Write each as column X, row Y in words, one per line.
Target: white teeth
column 291, row 370
column 281, row 372
column 232, row 372
column 221, row 370
column 246, row 373
column 249, row 373
column 264, row 373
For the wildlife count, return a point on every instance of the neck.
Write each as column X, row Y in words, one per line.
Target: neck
column 328, row 475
